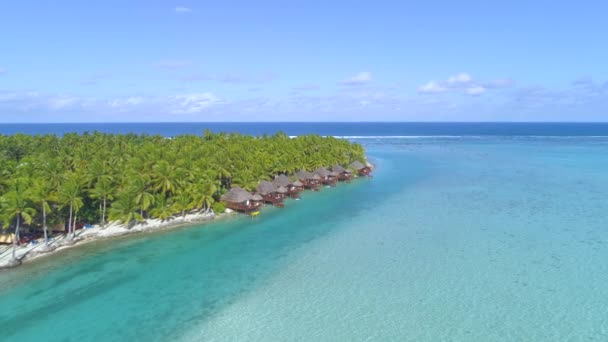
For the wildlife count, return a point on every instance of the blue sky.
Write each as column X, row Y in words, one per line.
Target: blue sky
column 82, row 61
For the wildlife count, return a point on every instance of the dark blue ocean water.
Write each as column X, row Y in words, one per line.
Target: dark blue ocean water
column 323, row 128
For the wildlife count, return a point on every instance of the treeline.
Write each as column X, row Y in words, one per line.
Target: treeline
column 96, row 177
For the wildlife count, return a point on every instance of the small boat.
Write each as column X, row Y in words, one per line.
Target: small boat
column 254, row 214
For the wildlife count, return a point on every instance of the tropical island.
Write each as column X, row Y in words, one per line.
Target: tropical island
column 61, row 184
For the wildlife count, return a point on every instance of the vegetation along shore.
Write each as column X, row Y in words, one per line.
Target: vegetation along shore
column 58, row 190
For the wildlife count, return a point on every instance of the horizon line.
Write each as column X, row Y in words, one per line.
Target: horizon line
column 302, row 122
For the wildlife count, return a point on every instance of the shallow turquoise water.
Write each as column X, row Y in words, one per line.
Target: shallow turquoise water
column 494, row 239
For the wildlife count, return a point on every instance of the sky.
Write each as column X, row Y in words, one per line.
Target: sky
column 136, row 60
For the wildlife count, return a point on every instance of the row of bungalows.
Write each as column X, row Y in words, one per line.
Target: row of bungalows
column 282, row 186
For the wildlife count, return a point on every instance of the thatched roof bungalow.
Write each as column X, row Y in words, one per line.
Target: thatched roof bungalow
column 240, row 200
column 362, row 170
column 309, row 180
column 282, row 180
column 265, row 188
column 342, row 173
column 327, row 177
column 268, row 191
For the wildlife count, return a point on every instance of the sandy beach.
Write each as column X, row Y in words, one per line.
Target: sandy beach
column 35, row 250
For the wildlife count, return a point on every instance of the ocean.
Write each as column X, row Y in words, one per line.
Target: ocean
column 466, row 232
column 342, row 129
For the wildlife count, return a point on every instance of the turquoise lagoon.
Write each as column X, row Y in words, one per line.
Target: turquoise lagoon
column 454, row 239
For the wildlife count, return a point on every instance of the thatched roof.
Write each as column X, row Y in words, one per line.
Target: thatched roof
column 323, row 172
column 282, row 190
column 357, row 165
column 265, row 188
column 303, row 174
column 315, row 177
column 334, row 174
column 298, row 183
column 236, row 195
column 256, row 197
column 282, row 180
column 338, row 168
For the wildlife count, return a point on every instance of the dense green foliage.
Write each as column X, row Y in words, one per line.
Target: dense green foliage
column 98, row 177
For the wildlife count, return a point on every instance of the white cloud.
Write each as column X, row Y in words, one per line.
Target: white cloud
column 432, row 87
column 475, row 90
column 192, row 103
column 462, row 77
column 182, row 10
column 126, row 102
column 361, row 78
column 464, row 83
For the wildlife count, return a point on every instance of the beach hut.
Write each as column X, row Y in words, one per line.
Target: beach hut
column 268, row 191
column 282, row 180
column 362, row 170
column 326, row 177
column 343, row 174
column 315, row 181
column 295, row 189
column 285, row 182
column 240, row 200
column 307, row 179
column 257, row 198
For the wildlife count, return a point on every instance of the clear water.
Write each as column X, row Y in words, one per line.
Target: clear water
column 469, row 239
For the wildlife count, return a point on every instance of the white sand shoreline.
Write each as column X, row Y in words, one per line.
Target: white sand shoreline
column 30, row 252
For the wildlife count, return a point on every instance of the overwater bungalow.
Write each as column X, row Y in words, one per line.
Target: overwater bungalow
column 308, row 179
column 285, row 182
column 295, row 189
column 241, row 200
column 362, row 170
column 268, row 191
column 256, row 198
column 282, row 191
column 344, row 175
column 326, row 177
column 315, row 182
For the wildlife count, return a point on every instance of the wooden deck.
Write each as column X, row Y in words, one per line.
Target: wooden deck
column 366, row 171
column 243, row 207
column 274, row 199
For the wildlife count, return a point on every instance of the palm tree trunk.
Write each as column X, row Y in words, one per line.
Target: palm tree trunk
column 103, row 215
column 74, row 225
column 46, row 235
column 16, row 237
column 70, row 222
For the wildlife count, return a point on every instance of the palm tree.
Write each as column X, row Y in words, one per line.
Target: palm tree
column 17, row 207
column 202, row 195
column 42, row 194
column 181, row 202
column 70, row 196
column 163, row 208
column 143, row 197
column 103, row 191
column 164, row 176
column 125, row 210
